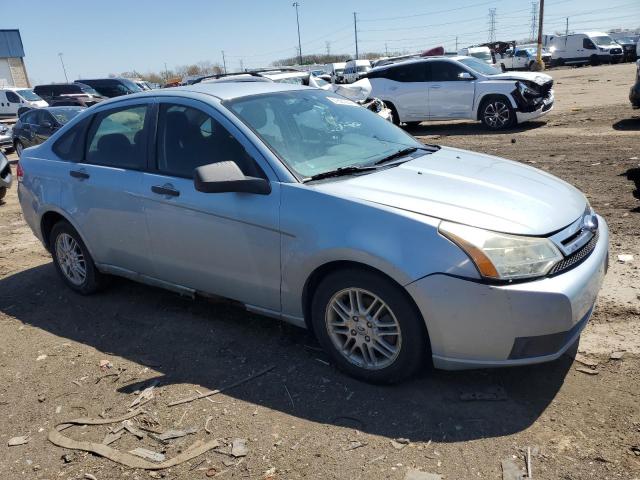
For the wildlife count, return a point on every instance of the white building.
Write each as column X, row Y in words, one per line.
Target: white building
column 13, row 72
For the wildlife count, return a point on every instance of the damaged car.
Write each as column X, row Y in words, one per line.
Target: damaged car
column 454, row 88
column 5, row 175
column 634, row 94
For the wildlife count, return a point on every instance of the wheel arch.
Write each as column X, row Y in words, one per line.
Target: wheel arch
column 50, row 218
column 487, row 96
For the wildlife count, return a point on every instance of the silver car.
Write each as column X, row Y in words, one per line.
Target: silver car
column 306, row 207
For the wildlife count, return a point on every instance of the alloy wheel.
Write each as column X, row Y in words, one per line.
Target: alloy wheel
column 71, row 259
column 497, row 114
column 363, row 328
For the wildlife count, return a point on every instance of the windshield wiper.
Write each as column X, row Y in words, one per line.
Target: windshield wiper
column 339, row 172
column 398, row 154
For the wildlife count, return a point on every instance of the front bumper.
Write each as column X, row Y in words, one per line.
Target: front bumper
column 545, row 107
column 476, row 325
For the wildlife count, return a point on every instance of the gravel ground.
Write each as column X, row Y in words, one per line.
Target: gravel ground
column 304, row 419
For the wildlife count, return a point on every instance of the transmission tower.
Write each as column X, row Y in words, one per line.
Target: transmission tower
column 534, row 20
column 492, row 25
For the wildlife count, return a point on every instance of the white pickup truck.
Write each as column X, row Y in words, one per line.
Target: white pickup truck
column 521, row 58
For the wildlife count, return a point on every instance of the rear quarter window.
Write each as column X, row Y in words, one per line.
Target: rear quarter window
column 70, row 146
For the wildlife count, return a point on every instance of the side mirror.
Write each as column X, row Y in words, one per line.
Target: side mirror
column 465, row 76
column 225, row 177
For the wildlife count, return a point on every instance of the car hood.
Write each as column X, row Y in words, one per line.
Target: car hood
column 535, row 77
column 470, row 188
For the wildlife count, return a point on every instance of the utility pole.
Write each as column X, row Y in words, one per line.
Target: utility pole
column 328, row 45
column 166, row 73
column 386, row 49
column 63, row 68
column 566, row 31
column 456, row 44
column 224, row 62
column 534, row 20
column 355, row 31
column 492, row 25
column 296, row 5
column 539, row 63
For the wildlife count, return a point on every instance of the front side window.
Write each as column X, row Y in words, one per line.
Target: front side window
column 28, row 95
column 118, row 139
column 188, row 138
column 588, row 44
column 313, row 131
column 478, row 66
column 445, row 72
column 30, row 117
column 12, row 97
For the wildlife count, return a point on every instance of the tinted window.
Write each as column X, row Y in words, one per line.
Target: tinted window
column 189, row 138
column 117, row 138
column 412, row 72
column 70, row 146
column 588, row 44
column 29, row 117
column 445, row 72
column 12, row 97
column 43, row 116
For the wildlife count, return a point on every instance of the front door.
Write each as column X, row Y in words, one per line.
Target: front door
column 104, row 188
column 226, row 244
column 450, row 96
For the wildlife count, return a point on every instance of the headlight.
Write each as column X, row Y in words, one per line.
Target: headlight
column 503, row 257
column 525, row 90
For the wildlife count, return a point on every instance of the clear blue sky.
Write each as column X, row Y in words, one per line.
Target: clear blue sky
column 119, row 35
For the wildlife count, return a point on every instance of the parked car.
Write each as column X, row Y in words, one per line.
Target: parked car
column 37, row 125
column 448, row 88
column 479, row 261
column 583, row 48
column 335, row 70
column 482, row 53
column 629, row 46
column 6, row 138
column 521, row 59
column 14, row 98
column 68, row 94
column 5, row 175
column 112, row 87
column 634, row 94
column 355, row 69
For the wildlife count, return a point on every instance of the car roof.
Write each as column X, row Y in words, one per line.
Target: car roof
column 231, row 90
column 410, row 60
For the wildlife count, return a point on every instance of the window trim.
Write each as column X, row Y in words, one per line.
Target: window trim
column 108, row 111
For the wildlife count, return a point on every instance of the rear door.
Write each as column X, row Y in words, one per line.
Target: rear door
column 407, row 87
column 450, row 96
column 222, row 243
column 104, row 187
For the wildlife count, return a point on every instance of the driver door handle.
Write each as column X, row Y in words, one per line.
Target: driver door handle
column 79, row 174
column 165, row 190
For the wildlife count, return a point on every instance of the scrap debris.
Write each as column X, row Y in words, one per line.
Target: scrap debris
column 588, row 371
column 148, row 454
column 124, row 458
column 239, row 447
column 16, row 441
column 220, row 390
column 400, row 443
column 172, row 434
column 413, row 474
column 145, row 396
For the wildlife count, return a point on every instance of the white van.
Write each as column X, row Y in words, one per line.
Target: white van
column 13, row 98
column 335, row 70
column 583, row 47
column 354, row 69
column 481, row 53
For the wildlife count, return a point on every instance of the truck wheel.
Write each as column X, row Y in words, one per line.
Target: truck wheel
column 3, row 192
column 532, row 65
column 594, row 60
column 368, row 326
column 560, row 62
column 496, row 113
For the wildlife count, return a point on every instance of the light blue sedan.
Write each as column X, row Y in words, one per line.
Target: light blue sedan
column 306, row 207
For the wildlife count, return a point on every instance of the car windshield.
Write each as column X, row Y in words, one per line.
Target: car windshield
column 484, row 55
column 313, row 131
column 63, row 115
column 28, row 95
column 479, row 66
column 603, row 40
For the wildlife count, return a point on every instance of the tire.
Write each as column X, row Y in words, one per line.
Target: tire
column 594, row 60
column 560, row 62
column 19, row 148
column 496, row 113
column 412, row 124
column 394, row 113
column 3, row 192
column 67, row 247
column 405, row 352
column 531, row 66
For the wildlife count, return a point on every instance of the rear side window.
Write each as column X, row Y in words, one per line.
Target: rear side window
column 12, row 97
column 70, row 146
column 117, row 138
column 413, row 72
column 29, row 117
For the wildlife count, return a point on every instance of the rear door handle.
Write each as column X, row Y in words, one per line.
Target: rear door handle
column 435, row 86
column 79, row 174
column 165, row 190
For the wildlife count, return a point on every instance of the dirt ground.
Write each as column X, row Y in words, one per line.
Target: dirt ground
column 304, row 419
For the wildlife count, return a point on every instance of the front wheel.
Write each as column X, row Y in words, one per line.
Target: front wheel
column 497, row 114
column 369, row 326
column 73, row 260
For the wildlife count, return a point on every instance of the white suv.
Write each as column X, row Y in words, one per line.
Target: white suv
column 448, row 88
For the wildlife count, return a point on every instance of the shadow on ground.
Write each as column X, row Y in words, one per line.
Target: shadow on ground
column 467, row 128
column 628, row 124
column 213, row 345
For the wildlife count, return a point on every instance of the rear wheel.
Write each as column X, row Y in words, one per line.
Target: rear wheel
column 368, row 326
column 73, row 260
column 496, row 113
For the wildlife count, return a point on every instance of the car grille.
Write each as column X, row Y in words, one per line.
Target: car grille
column 576, row 257
column 615, row 51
